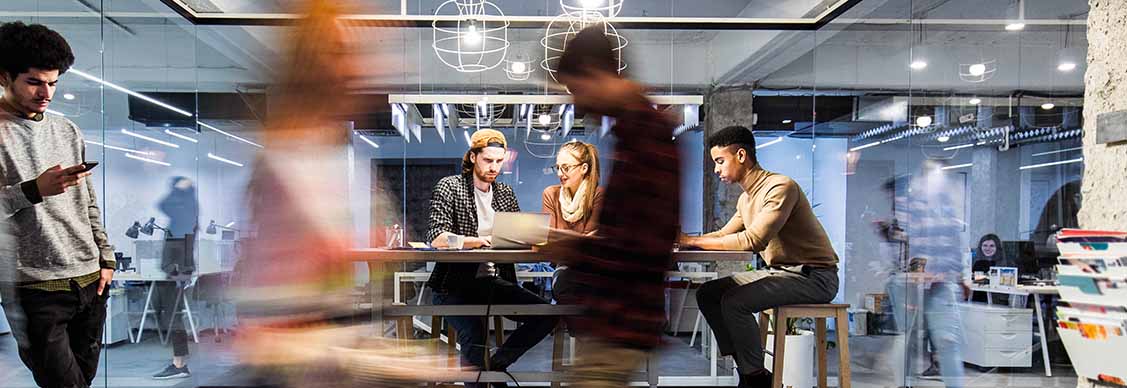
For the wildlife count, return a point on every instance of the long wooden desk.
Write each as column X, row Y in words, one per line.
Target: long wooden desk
column 379, row 261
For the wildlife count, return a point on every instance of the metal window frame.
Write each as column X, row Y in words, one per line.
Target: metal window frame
column 404, row 20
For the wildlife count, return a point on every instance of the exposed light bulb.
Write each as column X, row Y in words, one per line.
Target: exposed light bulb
column 545, row 136
column 519, row 67
column 68, row 96
column 591, row 3
column 975, row 101
column 1015, row 26
column 1048, row 106
column 544, row 119
column 472, row 36
column 918, row 64
column 1066, row 67
column 923, row 121
column 943, row 139
column 977, row 69
column 787, row 121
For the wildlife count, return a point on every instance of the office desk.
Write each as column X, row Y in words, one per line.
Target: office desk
column 379, row 259
column 1037, row 292
column 152, row 282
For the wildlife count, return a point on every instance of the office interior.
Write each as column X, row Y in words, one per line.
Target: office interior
column 887, row 89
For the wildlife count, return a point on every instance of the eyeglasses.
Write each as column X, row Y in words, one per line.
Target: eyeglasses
column 566, row 168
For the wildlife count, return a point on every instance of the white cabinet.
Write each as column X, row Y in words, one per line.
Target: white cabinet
column 995, row 336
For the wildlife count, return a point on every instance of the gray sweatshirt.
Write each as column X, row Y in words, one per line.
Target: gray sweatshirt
column 57, row 237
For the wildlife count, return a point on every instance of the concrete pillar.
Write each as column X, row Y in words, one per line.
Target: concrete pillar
column 992, row 197
column 1105, row 166
column 725, row 107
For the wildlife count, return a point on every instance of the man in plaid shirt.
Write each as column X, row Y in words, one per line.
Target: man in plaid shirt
column 464, row 205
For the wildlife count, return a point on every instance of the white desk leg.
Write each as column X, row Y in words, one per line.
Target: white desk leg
column 376, row 272
column 1044, row 339
column 191, row 320
column 989, row 297
column 397, row 298
column 145, row 312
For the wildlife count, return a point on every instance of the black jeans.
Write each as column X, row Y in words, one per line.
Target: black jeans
column 472, row 334
column 59, row 333
column 169, row 302
column 731, row 306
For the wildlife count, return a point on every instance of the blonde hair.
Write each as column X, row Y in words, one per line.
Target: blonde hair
column 586, row 153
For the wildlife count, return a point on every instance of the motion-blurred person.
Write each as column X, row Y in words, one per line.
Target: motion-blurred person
column 56, row 303
column 294, row 282
column 574, row 204
column 773, row 217
column 924, row 294
column 463, row 207
column 619, row 274
column 182, row 207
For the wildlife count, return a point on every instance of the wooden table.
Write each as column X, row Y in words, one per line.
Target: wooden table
column 1037, row 292
column 379, row 259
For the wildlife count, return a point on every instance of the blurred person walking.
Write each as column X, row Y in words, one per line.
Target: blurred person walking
column 619, row 274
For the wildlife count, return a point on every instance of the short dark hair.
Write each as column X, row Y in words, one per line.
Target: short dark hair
column 734, row 135
column 590, row 49
column 23, row 47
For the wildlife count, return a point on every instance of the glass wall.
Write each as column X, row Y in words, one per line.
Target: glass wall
column 946, row 120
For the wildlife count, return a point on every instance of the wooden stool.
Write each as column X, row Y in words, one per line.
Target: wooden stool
column 819, row 312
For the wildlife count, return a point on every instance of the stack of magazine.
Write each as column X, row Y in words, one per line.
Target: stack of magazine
column 1092, row 315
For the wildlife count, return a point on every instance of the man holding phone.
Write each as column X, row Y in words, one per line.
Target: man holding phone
column 55, row 300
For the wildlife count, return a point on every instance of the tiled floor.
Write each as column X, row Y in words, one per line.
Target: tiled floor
column 213, row 364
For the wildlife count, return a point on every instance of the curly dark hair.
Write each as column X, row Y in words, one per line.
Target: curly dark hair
column 735, row 135
column 23, row 47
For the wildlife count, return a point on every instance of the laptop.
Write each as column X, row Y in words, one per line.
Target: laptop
column 519, row 230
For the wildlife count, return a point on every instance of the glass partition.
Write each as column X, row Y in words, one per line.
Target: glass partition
column 916, row 129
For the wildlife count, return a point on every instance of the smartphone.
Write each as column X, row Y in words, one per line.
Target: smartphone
column 87, row 166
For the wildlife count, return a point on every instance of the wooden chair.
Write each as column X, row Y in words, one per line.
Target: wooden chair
column 819, row 312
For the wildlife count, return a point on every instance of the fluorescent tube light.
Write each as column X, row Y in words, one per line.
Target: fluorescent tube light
column 224, row 160
column 130, row 92
column 174, row 134
column 202, row 124
column 151, row 139
column 770, row 142
column 1033, row 166
column 147, row 160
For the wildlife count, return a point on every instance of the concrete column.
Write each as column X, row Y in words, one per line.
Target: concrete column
column 1105, row 166
column 725, row 107
column 992, row 196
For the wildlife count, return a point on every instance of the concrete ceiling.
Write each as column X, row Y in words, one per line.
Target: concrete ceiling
column 156, row 50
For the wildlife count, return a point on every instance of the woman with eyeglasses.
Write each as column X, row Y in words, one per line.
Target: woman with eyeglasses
column 574, row 204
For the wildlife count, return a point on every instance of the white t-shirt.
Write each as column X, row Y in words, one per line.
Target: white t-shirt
column 485, row 212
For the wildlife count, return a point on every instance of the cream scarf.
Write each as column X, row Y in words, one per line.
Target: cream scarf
column 572, row 206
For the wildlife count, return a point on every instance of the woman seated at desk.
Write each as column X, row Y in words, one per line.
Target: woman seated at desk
column 574, row 204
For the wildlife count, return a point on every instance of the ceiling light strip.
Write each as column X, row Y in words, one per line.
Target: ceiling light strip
column 958, row 147
column 873, row 144
column 103, row 145
column 130, row 92
column 174, row 134
column 367, row 140
column 56, row 113
column 224, row 160
column 202, row 124
column 151, row 139
column 770, row 142
column 1058, row 151
column 957, row 166
column 1033, row 166
column 147, row 160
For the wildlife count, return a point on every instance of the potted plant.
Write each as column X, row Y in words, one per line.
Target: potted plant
column 799, row 354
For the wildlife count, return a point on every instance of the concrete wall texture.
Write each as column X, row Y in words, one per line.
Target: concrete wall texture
column 1105, row 170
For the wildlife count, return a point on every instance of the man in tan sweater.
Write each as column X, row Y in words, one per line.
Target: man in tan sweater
column 774, row 218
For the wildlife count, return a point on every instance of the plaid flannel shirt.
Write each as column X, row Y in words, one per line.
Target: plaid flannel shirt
column 453, row 210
